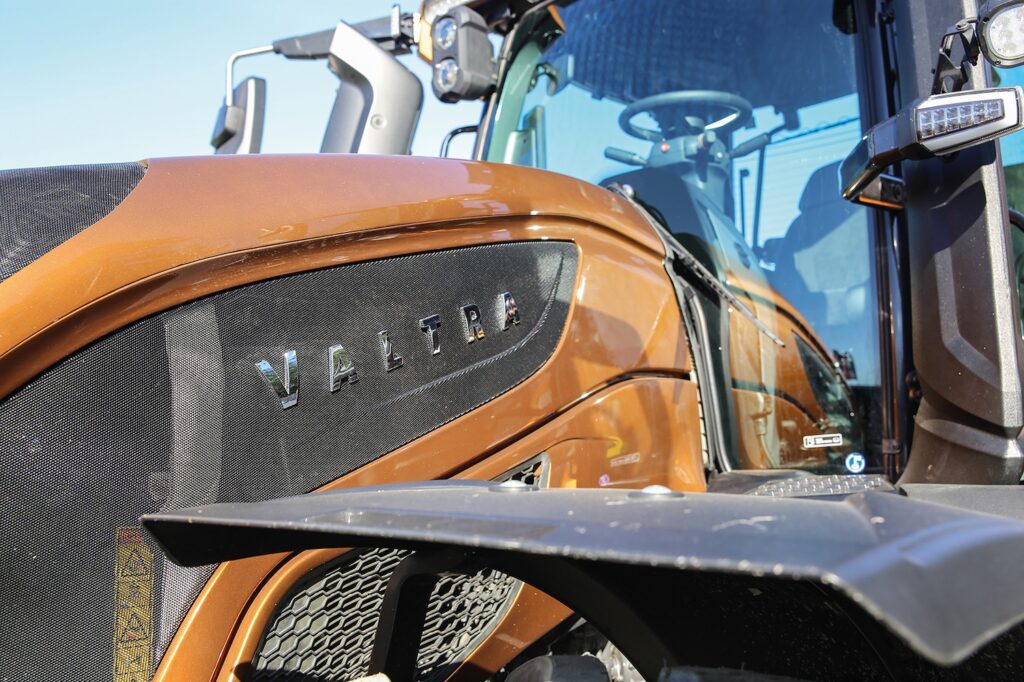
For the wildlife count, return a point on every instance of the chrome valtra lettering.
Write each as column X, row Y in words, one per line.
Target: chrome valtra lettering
column 342, row 369
column 474, row 326
column 392, row 360
column 288, row 390
column 430, row 326
column 510, row 311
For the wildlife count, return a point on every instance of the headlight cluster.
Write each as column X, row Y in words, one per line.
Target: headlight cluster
column 459, row 49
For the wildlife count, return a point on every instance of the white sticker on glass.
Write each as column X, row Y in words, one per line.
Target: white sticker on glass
column 827, row 440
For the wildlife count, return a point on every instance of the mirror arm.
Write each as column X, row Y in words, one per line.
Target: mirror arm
column 309, row 46
column 229, row 93
column 378, row 101
column 395, row 34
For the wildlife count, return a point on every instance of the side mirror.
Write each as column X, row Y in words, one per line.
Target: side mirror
column 462, row 57
column 239, row 126
column 932, row 126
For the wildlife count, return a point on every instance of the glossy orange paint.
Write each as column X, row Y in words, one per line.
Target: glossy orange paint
column 200, row 225
column 531, row 617
column 637, row 432
column 196, row 226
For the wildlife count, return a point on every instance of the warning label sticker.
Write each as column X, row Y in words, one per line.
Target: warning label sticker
column 133, row 608
column 828, row 440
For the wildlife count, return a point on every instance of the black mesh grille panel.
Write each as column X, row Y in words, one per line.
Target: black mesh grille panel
column 324, row 628
column 41, row 208
column 172, row 412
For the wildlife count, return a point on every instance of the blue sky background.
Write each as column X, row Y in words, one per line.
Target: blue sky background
column 85, row 82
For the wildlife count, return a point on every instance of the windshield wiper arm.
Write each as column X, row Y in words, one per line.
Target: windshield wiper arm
column 694, row 266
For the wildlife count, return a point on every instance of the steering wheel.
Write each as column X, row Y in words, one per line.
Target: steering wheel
column 739, row 111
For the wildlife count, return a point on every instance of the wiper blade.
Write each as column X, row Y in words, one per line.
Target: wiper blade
column 695, row 267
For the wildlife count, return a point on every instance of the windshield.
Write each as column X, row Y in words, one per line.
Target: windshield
column 728, row 119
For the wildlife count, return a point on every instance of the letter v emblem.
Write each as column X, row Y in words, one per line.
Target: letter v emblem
column 288, row 391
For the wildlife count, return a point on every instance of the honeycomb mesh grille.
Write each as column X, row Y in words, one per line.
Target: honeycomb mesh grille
column 327, row 626
column 324, row 629
column 463, row 610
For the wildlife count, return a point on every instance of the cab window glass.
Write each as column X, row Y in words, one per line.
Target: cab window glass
column 1012, row 151
column 1012, row 146
column 728, row 118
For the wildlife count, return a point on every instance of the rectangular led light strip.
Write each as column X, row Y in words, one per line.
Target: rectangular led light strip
column 944, row 124
column 941, row 120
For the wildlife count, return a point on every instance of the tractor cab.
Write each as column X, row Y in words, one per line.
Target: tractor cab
column 728, row 126
column 782, row 155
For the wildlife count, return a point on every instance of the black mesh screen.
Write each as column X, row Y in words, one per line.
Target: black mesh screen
column 172, row 412
column 324, row 628
column 41, row 208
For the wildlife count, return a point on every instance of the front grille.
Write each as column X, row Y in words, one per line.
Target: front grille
column 324, row 629
column 327, row 626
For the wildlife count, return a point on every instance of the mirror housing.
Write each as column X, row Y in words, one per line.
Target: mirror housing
column 239, row 126
column 932, row 126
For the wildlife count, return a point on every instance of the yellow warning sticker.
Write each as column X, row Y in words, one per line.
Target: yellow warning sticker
column 133, row 608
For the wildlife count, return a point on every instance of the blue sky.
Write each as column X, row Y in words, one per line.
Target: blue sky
column 85, row 82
